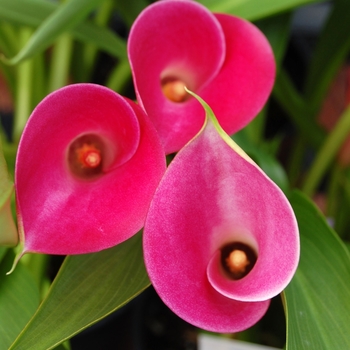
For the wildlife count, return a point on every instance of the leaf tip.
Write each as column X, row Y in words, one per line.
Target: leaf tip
column 206, row 107
column 19, row 255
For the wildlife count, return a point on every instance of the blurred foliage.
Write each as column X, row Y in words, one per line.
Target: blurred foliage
column 45, row 45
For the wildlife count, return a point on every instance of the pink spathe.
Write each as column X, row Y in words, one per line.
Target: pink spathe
column 211, row 196
column 225, row 59
column 62, row 213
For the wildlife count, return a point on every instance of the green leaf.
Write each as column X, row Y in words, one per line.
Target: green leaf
column 297, row 108
column 317, row 300
column 327, row 153
column 130, row 9
column 8, row 231
column 19, row 298
column 3, row 251
column 252, row 10
column 54, row 20
column 331, row 51
column 23, row 12
column 66, row 17
column 87, row 288
column 102, row 37
column 277, row 31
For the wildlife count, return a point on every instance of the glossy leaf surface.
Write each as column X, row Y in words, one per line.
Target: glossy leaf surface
column 86, row 289
column 331, row 51
column 317, row 299
column 19, row 298
column 33, row 13
column 250, row 10
column 8, row 231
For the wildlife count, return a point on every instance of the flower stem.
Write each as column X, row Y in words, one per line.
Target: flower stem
column 60, row 62
column 119, row 76
column 327, row 153
column 295, row 162
column 24, row 91
column 102, row 18
column 297, row 108
column 333, row 192
column 256, row 127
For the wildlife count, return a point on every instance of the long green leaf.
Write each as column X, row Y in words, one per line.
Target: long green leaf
column 327, row 153
column 3, row 251
column 102, row 37
column 66, row 17
column 277, row 31
column 8, row 231
column 331, row 51
column 19, row 298
column 23, row 12
column 317, row 300
column 253, row 9
column 53, row 20
column 130, row 9
column 87, row 288
column 297, row 108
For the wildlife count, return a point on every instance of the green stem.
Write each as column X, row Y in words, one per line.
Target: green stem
column 8, row 39
column 23, row 100
column 8, row 47
column 10, row 77
column 327, row 153
column 102, row 18
column 331, row 51
column 119, row 76
column 296, row 159
column 255, row 129
column 345, row 182
column 333, row 192
column 60, row 63
column 40, row 82
column 37, row 265
column 297, row 109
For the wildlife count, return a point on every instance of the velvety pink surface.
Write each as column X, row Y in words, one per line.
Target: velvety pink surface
column 208, row 197
column 240, row 90
column 63, row 214
column 225, row 59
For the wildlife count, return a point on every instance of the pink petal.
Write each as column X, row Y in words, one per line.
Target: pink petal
column 245, row 81
column 227, row 59
column 64, row 214
column 180, row 39
column 209, row 196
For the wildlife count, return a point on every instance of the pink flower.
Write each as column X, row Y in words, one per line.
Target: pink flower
column 87, row 167
column 225, row 59
column 220, row 238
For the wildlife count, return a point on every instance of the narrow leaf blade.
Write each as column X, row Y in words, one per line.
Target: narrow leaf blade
column 19, row 298
column 317, row 299
column 87, row 288
column 8, row 231
column 33, row 13
column 331, row 51
column 250, row 10
column 66, row 17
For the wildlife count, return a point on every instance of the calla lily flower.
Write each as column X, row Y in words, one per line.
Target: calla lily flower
column 220, row 238
column 225, row 59
column 87, row 167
